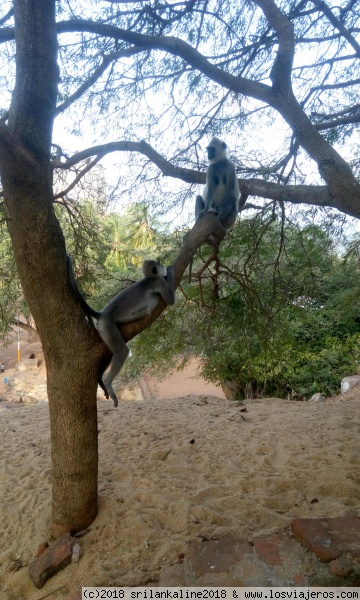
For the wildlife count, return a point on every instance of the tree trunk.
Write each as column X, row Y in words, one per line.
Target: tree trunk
column 72, row 348
column 72, row 351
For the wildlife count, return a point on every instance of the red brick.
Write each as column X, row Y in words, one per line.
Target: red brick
column 268, row 550
column 329, row 538
column 55, row 558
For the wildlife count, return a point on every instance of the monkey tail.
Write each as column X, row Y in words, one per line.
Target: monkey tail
column 190, row 269
column 89, row 311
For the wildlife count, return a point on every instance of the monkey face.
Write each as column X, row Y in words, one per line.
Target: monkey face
column 216, row 150
column 211, row 152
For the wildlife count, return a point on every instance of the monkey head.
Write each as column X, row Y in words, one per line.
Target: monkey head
column 216, row 150
column 153, row 268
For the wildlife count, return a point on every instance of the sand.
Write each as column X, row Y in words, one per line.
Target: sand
column 246, row 475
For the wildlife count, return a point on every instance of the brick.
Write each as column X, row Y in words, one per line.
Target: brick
column 55, row 558
column 268, row 550
column 329, row 538
column 42, row 548
column 217, row 556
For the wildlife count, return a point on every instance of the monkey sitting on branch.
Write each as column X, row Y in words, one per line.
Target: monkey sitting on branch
column 221, row 192
column 134, row 302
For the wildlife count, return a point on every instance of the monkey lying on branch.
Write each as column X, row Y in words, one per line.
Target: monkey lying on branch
column 134, row 302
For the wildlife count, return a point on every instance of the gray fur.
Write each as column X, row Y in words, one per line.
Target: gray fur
column 221, row 192
column 134, row 302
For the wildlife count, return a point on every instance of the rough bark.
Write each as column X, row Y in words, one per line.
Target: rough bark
column 72, row 349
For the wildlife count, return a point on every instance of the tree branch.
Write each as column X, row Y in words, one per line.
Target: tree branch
column 176, row 47
column 107, row 60
column 26, row 327
column 337, row 122
column 166, row 167
column 296, row 194
column 7, row 34
column 9, row 14
column 281, row 71
column 332, row 166
column 340, row 113
column 79, row 176
column 209, row 225
column 326, row 10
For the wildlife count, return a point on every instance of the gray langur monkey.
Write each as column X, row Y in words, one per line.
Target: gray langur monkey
column 134, row 302
column 221, row 192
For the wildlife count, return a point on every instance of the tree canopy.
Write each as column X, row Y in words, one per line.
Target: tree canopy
column 153, row 79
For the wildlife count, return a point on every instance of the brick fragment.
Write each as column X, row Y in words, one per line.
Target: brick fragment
column 268, row 550
column 329, row 538
column 41, row 548
column 55, row 558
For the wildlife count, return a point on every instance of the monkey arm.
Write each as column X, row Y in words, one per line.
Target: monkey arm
column 232, row 186
column 210, row 187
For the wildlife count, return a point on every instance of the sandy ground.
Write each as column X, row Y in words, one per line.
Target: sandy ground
column 246, row 474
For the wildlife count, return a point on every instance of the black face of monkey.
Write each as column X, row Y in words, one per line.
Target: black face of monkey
column 216, row 150
column 211, row 151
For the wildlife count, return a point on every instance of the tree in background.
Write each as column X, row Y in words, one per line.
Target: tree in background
column 265, row 319
column 153, row 80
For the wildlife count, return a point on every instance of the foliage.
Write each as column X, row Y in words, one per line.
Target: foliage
column 282, row 321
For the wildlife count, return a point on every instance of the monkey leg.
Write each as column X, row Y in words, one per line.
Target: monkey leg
column 104, row 365
column 227, row 213
column 117, row 362
column 199, row 207
column 114, row 341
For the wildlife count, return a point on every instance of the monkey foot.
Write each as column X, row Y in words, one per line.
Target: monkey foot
column 212, row 241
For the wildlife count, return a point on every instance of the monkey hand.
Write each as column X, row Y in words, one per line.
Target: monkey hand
column 214, row 210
